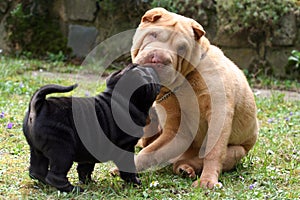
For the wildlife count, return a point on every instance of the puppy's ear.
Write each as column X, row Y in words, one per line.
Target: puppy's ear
column 198, row 30
column 153, row 15
column 112, row 79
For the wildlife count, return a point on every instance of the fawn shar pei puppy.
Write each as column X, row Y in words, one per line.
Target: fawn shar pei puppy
column 204, row 119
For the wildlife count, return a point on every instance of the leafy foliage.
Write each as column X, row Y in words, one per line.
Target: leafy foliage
column 293, row 66
column 252, row 15
column 259, row 22
column 33, row 33
column 193, row 8
column 187, row 8
column 294, row 59
column 59, row 57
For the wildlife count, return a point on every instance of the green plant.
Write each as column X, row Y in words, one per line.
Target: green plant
column 32, row 32
column 293, row 67
column 178, row 6
column 56, row 57
column 172, row 6
column 254, row 15
column 262, row 81
column 294, row 59
column 256, row 20
column 190, row 8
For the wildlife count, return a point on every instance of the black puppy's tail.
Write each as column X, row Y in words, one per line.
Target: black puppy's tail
column 40, row 95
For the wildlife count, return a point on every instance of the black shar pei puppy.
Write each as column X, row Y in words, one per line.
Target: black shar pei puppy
column 61, row 130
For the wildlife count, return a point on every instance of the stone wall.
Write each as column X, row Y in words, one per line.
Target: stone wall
column 248, row 55
column 5, row 7
column 87, row 23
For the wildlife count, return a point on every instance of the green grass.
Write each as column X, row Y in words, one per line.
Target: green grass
column 266, row 82
column 270, row 171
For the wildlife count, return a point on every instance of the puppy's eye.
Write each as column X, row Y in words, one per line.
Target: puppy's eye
column 181, row 50
column 153, row 34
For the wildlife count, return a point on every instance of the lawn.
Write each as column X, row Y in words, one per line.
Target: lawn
column 270, row 171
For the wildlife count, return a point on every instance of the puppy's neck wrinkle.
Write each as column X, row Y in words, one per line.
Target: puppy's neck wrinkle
column 194, row 79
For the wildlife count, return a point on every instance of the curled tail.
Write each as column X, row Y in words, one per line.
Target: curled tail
column 40, row 95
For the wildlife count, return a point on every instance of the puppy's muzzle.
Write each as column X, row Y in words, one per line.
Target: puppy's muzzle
column 156, row 56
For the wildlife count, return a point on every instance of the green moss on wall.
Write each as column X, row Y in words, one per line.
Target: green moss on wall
column 31, row 29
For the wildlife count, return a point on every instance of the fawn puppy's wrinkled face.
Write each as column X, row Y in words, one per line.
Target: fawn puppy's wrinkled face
column 168, row 42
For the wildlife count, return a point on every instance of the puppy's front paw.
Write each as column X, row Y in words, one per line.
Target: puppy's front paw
column 130, row 177
column 61, row 183
column 205, row 182
column 185, row 170
column 36, row 176
column 70, row 189
column 137, row 181
column 143, row 162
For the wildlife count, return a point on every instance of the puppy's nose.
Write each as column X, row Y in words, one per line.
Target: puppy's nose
column 155, row 58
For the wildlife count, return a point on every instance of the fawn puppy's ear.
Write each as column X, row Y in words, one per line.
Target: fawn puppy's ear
column 198, row 30
column 153, row 15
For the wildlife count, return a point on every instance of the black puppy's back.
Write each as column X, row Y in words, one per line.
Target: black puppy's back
column 39, row 98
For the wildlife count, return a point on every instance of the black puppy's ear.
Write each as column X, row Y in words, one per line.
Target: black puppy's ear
column 114, row 73
column 112, row 78
column 115, row 76
column 132, row 65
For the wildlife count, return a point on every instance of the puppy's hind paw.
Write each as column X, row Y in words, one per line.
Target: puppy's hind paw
column 71, row 189
column 37, row 177
column 137, row 182
column 186, row 171
column 130, row 178
column 205, row 183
